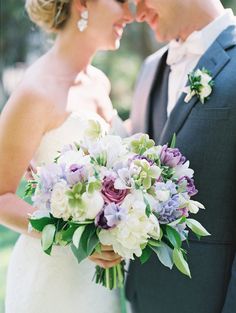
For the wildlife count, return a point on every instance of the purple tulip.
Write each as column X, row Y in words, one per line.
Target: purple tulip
column 171, row 156
column 188, row 183
column 142, row 157
column 110, row 193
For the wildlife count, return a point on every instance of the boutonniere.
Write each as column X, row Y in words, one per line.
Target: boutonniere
column 200, row 85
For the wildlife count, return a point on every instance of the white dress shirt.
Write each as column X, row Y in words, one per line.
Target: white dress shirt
column 184, row 56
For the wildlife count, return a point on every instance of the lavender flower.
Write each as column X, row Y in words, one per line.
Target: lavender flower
column 111, row 215
column 77, row 173
column 168, row 211
column 169, row 185
column 50, row 175
column 171, row 156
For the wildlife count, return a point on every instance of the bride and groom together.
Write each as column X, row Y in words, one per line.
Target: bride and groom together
column 45, row 112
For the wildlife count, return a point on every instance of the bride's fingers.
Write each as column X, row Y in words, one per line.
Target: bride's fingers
column 104, row 263
column 108, row 256
column 106, row 248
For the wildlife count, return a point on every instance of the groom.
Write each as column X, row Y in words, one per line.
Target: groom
column 201, row 34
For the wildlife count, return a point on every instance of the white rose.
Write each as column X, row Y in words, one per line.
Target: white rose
column 93, row 204
column 59, row 201
column 206, row 90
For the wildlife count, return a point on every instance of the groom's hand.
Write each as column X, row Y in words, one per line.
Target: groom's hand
column 106, row 258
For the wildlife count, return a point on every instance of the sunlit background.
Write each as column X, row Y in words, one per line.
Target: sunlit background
column 21, row 43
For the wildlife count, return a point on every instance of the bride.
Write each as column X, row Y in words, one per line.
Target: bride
column 58, row 91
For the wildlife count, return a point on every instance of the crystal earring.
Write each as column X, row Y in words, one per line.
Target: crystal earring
column 83, row 21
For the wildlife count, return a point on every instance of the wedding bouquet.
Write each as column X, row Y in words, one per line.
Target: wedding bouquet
column 127, row 193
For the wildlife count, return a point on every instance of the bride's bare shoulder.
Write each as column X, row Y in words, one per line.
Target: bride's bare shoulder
column 100, row 77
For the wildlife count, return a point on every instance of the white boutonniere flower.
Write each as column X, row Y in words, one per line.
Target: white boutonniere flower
column 200, row 85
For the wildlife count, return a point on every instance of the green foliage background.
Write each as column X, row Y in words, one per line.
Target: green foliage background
column 21, row 42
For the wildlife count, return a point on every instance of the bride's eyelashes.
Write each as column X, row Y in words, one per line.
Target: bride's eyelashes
column 122, row 1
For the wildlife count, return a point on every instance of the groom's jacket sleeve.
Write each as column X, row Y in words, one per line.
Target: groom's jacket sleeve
column 230, row 301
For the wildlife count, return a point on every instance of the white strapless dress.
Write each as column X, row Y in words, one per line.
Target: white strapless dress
column 38, row 283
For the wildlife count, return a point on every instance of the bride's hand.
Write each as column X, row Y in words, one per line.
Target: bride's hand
column 106, row 258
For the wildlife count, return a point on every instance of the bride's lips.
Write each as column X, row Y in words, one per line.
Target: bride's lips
column 118, row 30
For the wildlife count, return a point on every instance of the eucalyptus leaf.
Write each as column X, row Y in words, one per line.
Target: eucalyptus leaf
column 196, row 227
column 48, row 234
column 146, row 253
column 173, row 236
column 164, row 253
column 77, row 235
column 39, row 223
column 180, row 262
column 173, row 141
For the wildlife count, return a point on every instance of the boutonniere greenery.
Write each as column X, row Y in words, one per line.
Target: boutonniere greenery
column 200, row 84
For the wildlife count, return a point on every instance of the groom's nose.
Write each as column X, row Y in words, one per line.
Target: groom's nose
column 128, row 13
column 141, row 12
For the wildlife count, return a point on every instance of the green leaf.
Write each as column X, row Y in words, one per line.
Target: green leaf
column 92, row 243
column 154, row 243
column 77, row 235
column 39, row 224
column 147, row 252
column 180, row 262
column 48, row 234
column 196, row 227
column 173, row 141
column 173, row 236
column 164, row 253
column 67, row 234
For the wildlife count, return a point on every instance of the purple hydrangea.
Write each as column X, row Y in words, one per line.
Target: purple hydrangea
column 111, row 215
column 169, row 185
column 188, row 184
column 171, row 156
column 168, row 211
column 76, row 173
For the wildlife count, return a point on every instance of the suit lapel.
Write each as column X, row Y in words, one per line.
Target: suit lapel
column 139, row 114
column 214, row 60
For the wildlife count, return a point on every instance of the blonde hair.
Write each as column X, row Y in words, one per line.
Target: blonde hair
column 50, row 15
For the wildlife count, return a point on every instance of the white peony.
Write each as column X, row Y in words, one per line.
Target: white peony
column 59, row 201
column 134, row 231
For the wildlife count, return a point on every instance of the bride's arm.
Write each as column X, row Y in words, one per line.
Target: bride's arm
column 22, row 124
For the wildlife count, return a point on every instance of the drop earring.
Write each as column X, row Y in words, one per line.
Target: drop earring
column 83, row 21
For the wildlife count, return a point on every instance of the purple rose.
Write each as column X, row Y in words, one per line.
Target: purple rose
column 111, row 215
column 110, row 193
column 188, row 183
column 76, row 173
column 171, row 156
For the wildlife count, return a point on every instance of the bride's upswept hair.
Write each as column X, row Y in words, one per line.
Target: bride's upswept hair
column 50, row 15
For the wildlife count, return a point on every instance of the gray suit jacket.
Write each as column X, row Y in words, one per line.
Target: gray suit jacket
column 206, row 135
